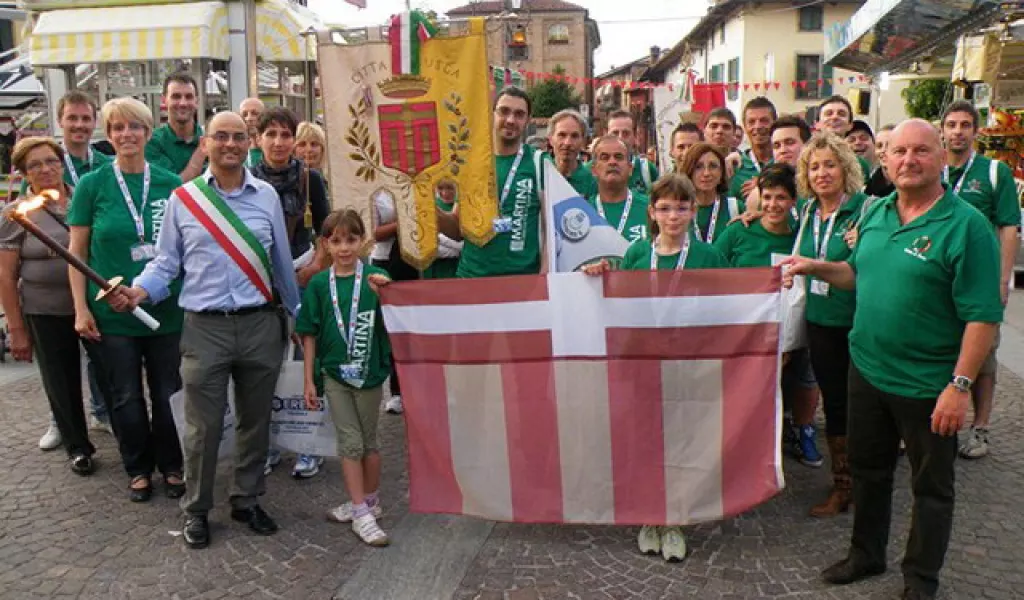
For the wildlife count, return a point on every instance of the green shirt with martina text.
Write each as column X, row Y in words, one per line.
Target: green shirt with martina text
column 633, row 226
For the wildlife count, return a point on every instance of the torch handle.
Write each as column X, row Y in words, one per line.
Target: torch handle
column 146, row 318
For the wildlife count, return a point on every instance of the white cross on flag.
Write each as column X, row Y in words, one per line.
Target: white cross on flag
column 634, row 398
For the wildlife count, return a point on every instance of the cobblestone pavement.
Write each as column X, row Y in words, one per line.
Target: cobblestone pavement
column 63, row 536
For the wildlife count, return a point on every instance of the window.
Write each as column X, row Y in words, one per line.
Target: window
column 734, row 79
column 812, row 18
column 716, row 74
column 558, row 34
column 809, row 69
column 518, row 52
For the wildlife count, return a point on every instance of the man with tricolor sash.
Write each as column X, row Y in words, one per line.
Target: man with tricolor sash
column 224, row 234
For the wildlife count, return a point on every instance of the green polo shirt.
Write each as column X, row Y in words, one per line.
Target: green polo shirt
column 747, row 170
column 865, row 168
column 165, row 149
column 918, row 285
column 753, row 246
column 316, row 318
column 636, row 180
column 635, row 226
column 701, row 222
column 81, row 167
column 515, row 252
column 583, row 181
column 98, row 204
column 836, row 308
column 699, row 256
column 999, row 204
column 254, row 157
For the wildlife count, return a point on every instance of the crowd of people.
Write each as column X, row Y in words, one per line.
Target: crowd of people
column 906, row 238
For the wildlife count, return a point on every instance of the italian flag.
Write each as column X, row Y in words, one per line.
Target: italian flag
column 406, row 33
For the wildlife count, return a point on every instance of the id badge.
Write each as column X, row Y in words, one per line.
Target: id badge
column 502, row 225
column 143, row 252
column 349, row 372
column 819, row 287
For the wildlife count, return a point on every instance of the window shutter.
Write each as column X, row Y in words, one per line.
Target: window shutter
column 826, row 90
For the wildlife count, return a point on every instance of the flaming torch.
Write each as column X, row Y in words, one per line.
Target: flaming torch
column 20, row 215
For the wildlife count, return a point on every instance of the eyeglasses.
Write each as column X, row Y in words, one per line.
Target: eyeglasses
column 53, row 162
column 223, row 137
column 133, row 126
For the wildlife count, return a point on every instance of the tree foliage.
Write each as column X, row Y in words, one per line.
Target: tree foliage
column 551, row 96
column 926, row 98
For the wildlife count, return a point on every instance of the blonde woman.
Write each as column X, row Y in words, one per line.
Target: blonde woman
column 830, row 178
column 311, row 145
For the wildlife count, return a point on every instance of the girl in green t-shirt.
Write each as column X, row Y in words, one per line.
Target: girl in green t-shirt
column 669, row 217
column 448, row 250
column 343, row 337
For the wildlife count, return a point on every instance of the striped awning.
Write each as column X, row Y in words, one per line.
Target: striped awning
column 130, row 33
column 280, row 29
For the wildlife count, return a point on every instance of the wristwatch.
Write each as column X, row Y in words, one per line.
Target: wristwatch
column 962, row 383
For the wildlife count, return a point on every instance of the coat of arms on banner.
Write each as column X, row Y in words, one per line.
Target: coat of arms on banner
column 407, row 113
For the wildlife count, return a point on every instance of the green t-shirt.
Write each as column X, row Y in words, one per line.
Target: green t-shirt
column 98, row 204
column 254, row 157
column 748, row 170
column 1000, row 204
column 165, row 149
column 865, row 168
column 316, row 318
column 918, row 285
column 81, row 168
column 635, row 226
column 699, row 256
column 836, row 308
column 582, row 180
column 515, row 252
column 637, row 181
column 753, row 246
column 701, row 222
column 442, row 268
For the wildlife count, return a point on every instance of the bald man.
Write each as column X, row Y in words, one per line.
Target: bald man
column 234, row 327
column 926, row 273
column 251, row 110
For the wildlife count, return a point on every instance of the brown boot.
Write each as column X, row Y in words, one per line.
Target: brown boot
column 839, row 499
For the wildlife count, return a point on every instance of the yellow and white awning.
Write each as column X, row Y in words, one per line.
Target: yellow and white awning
column 130, row 33
column 280, row 31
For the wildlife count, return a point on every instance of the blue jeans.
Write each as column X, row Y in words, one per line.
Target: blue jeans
column 97, row 403
column 146, row 442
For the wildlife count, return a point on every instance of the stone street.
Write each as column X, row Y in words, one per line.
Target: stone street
column 63, row 536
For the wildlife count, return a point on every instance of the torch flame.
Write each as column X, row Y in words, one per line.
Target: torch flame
column 36, row 201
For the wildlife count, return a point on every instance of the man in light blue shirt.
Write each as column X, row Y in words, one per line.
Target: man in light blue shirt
column 235, row 326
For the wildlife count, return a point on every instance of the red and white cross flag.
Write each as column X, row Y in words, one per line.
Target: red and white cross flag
column 635, row 398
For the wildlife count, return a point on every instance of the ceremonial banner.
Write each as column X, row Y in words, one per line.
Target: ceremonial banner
column 580, row 235
column 634, row 398
column 670, row 107
column 406, row 113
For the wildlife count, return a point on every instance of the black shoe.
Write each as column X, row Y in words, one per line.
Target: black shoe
column 196, row 532
column 257, row 519
column 850, row 570
column 174, row 490
column 140, row 494
column 910, row 593
column 82, row 465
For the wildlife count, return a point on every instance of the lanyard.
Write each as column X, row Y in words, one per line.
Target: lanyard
column 683, row 251
column 625, row 211
column 510, row 178
column 71, row 165
column 711, row 224
column 821, row 245
column 140, row 226
column 357, row 288
column 967, row 169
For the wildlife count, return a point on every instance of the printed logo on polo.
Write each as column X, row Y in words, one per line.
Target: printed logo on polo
column 360, row 350
column 524, row 191
column 919, row 247
column 637, row 233
column 157, row 209
column 974, row 187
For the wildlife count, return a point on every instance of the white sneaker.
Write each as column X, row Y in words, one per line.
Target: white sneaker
column 976, row 444
column 673, row 544
column 273, row 459
column 367, row 529
column 96, row 424
column 51, row 440
column 394, row 405
column 649, row 539
column 346, row 512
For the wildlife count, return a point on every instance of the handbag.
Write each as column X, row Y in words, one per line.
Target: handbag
column 793, row 328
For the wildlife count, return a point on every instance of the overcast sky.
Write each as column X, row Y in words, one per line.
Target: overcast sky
column 625, row 34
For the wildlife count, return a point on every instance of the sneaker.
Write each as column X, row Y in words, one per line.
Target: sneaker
column 649, row 540
column 809, row 454
column 273, row 459
column 346, row 512
column 98, row 424
column 367, row 529
column 306, row 466
column 976, row 444
column 51, row 440
column 394, row 405
column 673, row 544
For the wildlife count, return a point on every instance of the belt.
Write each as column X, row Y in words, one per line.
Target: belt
column 237, row 312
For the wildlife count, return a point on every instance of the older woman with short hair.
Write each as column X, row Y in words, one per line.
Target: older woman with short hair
column 37, row 300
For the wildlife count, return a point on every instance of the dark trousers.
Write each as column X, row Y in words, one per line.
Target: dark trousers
column 398, row 270
column 147, row 441
column 830, row 359
column 59, row 356
column 877, row 422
